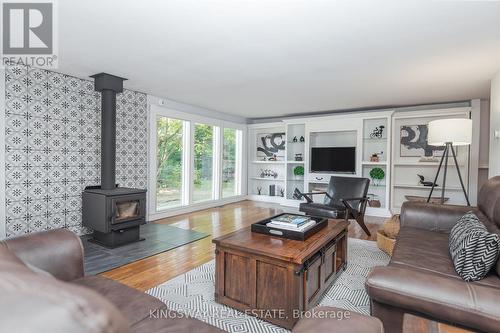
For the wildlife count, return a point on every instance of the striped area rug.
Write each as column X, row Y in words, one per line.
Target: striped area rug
column 193, row 293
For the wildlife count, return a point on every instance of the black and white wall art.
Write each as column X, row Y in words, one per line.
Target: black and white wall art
column 52, row 147
column 413, row 142
column 271, row 146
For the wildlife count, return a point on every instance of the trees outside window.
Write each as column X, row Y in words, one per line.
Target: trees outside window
column 169, row 162
column 203, row 175
column 195, row 161
column 229, row 169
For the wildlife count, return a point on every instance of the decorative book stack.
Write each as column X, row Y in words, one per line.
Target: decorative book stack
column 291, row 222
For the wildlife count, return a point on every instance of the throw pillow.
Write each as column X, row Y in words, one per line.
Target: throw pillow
column 473, row 249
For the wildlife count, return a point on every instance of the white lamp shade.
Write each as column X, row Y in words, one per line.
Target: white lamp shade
column 458, row 131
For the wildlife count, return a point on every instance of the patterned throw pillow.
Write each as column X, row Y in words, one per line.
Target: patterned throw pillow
column 473, row 249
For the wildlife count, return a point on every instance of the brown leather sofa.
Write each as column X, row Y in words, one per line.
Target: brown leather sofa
column 421, row 279
column 43, row 289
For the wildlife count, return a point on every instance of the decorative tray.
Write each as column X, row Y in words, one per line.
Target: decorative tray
column 262, row 228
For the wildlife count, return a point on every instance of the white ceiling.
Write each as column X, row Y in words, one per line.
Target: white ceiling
column 262, row 58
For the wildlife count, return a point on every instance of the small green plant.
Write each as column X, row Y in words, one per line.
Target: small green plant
column 298, row 170
column 377, row 174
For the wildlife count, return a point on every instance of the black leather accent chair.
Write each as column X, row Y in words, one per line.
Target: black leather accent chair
column 345, row 198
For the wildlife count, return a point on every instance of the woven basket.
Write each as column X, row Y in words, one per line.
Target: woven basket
column 391, row 226
column 385, row 243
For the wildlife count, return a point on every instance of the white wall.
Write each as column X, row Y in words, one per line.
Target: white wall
column 494, row 163
column 484, row 143
column 194, row 110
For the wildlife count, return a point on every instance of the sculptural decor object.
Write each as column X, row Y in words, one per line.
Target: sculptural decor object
column 375, row 157
column 424, row 182
column 378, row 132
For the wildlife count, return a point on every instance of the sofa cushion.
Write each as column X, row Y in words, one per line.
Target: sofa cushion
column 432, row 295
column 420, row 249
column 134, row 304
column 473, row 249
column 488, row 197
column 52, row 305
column 317, row 209
column 493, row 227
column 144, row 312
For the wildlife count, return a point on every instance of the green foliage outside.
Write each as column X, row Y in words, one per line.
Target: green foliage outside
column 169, row 153
column 169, row 162
column 228, row 162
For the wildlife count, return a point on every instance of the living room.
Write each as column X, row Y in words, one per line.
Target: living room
column 250, row 166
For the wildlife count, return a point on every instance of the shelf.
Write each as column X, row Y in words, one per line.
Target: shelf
column 382, row 186
column 421, row 187
column 268, row 162
column 416, row 164
column 295, row 162
column 374, row 163
column 265, row 197
column 375, row 139
column 268, row 179
column 295, row 180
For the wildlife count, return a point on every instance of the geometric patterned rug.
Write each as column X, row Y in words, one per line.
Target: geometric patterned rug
column 193, row 293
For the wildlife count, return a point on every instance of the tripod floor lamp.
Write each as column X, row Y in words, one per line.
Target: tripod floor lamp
column 449, row 133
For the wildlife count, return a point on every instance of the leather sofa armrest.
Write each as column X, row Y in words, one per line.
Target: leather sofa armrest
column 447, row 299
column 58, row 252
column 432, row 217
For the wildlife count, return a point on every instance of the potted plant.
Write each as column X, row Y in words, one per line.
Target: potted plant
column 298, row 171
column 377, row 174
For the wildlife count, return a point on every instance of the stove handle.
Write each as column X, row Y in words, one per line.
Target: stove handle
column 113, row 213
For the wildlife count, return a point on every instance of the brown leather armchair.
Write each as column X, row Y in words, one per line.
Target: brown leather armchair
column 421, row 278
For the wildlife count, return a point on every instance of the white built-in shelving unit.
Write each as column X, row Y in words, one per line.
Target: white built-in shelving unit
column 405, row 181
column 286, row 180
column 354, row 129
column 331, row 131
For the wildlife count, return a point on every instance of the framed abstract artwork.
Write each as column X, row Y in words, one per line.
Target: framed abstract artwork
column 413, row 142
column 271, row 146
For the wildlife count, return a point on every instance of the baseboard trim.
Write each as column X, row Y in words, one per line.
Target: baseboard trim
column 193, row 208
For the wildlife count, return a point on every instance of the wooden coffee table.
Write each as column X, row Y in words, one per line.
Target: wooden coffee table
column 275, row 278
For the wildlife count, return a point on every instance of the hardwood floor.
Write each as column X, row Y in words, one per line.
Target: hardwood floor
column 149, row 272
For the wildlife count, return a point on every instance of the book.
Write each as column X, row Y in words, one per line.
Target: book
column 302, row 228
column 291, row 220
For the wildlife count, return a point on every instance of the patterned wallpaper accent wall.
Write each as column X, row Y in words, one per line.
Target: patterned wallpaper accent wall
column 52, row 150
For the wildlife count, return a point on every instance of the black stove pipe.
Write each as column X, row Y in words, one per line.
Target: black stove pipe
column 109, row 85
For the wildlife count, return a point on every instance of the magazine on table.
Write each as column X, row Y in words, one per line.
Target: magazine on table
column 291, row 220
column 292, row 227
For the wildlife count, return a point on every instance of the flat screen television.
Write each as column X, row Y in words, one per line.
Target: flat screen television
column 333, row 159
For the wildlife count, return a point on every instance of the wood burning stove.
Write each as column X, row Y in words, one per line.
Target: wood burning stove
column 114, row 213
